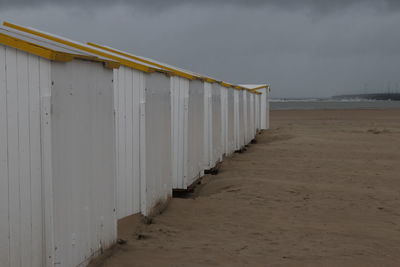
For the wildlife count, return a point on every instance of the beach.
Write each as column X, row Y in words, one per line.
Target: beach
column 320, row 188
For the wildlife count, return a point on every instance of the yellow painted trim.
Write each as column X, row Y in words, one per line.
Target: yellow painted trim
column 112, row 65
column 224, row 84
column 45, row 52
column 27, row 47
column 172, row 70
column 210, row 80
column 267, row 86
column 124, row 62
column 251, row 91
column 261, row 87
column 239, row 87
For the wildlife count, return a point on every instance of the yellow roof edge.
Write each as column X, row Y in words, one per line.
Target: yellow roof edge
column 261, row 87
column 210, row 80
column 225, row 84
column 48, row 53
column 169, row 69
column 28, row 47
column 236, row 87
column 122, row 61
column 267, row 86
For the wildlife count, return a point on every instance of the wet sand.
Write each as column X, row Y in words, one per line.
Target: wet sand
column 321, row 188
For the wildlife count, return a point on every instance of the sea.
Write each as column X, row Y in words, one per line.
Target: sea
column 320, row 104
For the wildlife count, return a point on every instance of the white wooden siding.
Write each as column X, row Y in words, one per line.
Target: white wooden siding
column 258, row 115
column 264, row 109
column 224, row 120
column 216, row 124
column 128, row 85
column 21, row 206
column 83, row 145
column 237, row 119
column 158, row 180
column 179, row 130
column 232, row 123
column 245, row 118
column 252, row 116
column 208, row 141
column 195, row 131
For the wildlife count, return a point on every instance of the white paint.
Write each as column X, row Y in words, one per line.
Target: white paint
column 179, row 130
column 56, row 172
column 232, row 124
column 21, row 206
column 241, row 122
column 246, row 132
column 158, row 180
column 252, row 127
column 143, row 141
column 236, row 101
column 208, row 141
column 195, row 132
column 257, row 108
column 224, row 121
column 264, row 112
column 129, row 84
column 216, row 118
column 83, row 164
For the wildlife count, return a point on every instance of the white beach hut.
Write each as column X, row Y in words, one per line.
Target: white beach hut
column 143, row 126
column 217, row 125
column 56, row 170
column 242, row 120
column 224, row 121
column 252, row 120
column 264, row 89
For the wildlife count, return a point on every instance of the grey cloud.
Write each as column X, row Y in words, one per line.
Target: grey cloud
column 157, row 5
column 280, row 44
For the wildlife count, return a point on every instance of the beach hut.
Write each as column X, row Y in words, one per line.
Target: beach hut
column 250, row 116
column 143, row 129
column 195, row 161
column 246, row 113
column 231, row 115
column 179, row 129
column 257, row 115
column 264, row 89
column 242, row 120
column 208, row 140
column 56, row 153
column 236, row 119
column 253, row 130
column 224, row 121
column 217, row 124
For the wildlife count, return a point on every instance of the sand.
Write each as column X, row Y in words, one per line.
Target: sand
column 321, row 188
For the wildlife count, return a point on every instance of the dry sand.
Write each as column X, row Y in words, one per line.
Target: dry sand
column 321, row 188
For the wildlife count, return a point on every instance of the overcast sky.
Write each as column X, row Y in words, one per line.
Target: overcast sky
column 303, row 48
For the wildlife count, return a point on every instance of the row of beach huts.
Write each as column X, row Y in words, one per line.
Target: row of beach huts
column 90, row 134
